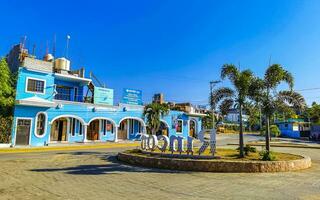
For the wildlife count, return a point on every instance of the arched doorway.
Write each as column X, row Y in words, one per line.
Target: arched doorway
column 192, row 128
column 93, row 130
column 65, row 125
column 164, row 129
column 130, row 128
column 100, row 129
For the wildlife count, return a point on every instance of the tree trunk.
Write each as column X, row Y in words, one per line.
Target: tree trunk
column 241, row 145
column 260, row 117
column 268, row 133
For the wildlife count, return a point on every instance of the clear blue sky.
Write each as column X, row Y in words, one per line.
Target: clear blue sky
column 172, row 46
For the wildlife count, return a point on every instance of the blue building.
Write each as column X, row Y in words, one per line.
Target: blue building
column 294, row 128
column 57, row 105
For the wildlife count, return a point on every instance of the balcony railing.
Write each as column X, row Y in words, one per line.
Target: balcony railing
column 73, row 98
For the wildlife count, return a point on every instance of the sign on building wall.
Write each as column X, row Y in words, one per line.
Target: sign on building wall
column 132, row 96
column 103, row 96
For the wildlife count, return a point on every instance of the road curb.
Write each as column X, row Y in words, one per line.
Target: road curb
column 214, row 165
column 67, row 148
column 279, row 145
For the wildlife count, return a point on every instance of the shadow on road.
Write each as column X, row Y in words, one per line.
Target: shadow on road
column 112, row 166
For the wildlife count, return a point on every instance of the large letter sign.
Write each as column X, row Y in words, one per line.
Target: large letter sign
column 150, row 142
column 165, row 139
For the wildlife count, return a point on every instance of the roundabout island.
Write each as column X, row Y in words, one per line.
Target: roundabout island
column 225, row 160
column 161, row 152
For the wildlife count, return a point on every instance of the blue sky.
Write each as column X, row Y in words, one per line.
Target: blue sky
column 172, row 46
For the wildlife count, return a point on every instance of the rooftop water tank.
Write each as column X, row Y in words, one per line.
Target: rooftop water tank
column 48, row 57
column 62, row 64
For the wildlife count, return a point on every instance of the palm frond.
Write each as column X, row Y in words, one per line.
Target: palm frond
column 294, row 99
column 220, row 94
column 276, row 74
column 230, row 71
column 225, row 106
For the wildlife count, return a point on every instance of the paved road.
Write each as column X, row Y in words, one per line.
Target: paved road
column 96, row 174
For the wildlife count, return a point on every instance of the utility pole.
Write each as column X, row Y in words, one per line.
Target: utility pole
column 212, row 84
column 67, row 46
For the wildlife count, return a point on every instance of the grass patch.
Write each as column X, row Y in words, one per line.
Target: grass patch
column 232, row 154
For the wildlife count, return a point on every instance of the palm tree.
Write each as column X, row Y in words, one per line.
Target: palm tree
column 265, row 92
column 224, row 96
column 153, row 113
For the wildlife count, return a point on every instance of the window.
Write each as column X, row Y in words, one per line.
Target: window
column 34, row 85
column 73, row 126
column 75, row 94
column 131, row 128
column 41, row 124
column 179, row 126
column 63, row 93
column 110, row 127
column 104, row 128
column 80, row 128
column 139, row 127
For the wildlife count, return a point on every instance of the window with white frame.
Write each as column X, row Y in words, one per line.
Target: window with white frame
column 110, row 127
column 41, row 124
column 179, row 126
column 35, row 85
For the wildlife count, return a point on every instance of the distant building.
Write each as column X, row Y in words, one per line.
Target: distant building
column 158, row 98
column 294, row 128
column 234, row 117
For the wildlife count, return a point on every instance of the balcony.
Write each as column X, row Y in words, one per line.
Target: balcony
column 72, row 94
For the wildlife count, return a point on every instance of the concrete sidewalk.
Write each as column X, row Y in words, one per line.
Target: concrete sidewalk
column 69, row 147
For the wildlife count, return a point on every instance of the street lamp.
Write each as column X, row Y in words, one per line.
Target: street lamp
column 212, row 84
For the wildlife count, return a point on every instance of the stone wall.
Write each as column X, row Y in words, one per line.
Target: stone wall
column 214, row 165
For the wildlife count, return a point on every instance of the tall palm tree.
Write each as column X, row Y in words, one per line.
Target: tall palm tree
column 265, row 92
column 153, row 113
column 241, row 81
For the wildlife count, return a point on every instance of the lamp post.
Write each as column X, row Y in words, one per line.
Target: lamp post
column 212, row 84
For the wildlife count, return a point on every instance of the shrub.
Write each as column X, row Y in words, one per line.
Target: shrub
column 248, row 149
column 267, row 156
column 5, row 129
column 274, row 131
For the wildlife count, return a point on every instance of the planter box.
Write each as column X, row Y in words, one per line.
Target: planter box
column 4, row 145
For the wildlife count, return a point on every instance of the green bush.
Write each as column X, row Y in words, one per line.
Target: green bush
column 5, row 129
column 248, row 149
column 274, row 131
column 267, row 156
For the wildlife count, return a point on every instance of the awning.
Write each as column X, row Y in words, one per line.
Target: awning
column 72, row 78
column 196, row 114
column 35, row 101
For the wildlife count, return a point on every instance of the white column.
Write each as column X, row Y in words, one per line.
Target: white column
column 85, row 129
column 116, row 134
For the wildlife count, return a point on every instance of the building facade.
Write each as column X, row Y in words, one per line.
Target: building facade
column 294, row 128
column 53, row 106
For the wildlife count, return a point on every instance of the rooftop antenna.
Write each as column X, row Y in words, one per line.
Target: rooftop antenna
column 23, row 41
column 54, row 45
column 34, row 50
column 47, row 47
column 269, row 60
column 67, row 45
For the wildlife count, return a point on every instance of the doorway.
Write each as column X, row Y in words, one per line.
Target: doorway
column 93, row 130
column 123, row 130
column 59, row 130
column 192, row 129
column 23, row 131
